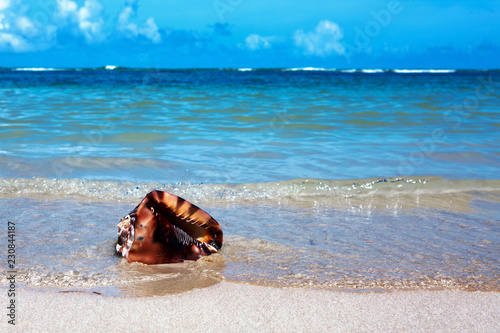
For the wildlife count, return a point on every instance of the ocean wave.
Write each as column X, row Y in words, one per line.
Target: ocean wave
column 244, row 69
column 37, row 69
column 310, row 69
column 373, row 193
column 372, row 71
column 419, row 71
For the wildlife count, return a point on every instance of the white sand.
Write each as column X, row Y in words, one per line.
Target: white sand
column 231, row 307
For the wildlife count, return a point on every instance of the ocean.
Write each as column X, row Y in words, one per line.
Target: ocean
column 348, row 179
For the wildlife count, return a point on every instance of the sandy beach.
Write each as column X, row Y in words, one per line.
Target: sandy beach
column 233, row 307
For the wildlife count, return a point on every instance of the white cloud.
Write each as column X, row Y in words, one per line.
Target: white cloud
column 87, row 19
column 256, row 42
column 18, row 33
column 90, row 22
column 14, row 42
column 323, row 41
column 4, row 4
column 148, row 29
column 25, row 24
column 124, row 20
column 3, row 22
column 22, row 33
column 66, row 8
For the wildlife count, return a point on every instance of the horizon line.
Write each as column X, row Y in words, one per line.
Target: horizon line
column 306, row 68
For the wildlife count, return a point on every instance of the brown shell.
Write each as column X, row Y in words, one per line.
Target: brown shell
column 165, row 228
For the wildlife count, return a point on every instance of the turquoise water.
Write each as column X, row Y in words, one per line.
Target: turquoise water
column 228, row 126
column 365, row 180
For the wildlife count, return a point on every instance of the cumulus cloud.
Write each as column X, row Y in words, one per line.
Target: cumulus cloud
column 148, row 29
column 323, row 41
column 87, row 19
column 13, row 42
column 18, row 33
column 66, row 8
column 90, row 22
column 256, row 42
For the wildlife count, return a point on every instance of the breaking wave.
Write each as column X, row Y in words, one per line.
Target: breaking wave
column 372, row 192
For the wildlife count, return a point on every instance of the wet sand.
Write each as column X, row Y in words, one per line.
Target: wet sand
column 233, row 307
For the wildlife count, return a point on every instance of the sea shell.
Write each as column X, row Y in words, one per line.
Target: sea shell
column 165, row 228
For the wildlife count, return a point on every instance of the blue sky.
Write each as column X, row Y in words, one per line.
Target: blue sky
column 250, row 33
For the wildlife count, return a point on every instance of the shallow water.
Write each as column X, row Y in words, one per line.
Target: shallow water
column 372, row 234
column 374, row 180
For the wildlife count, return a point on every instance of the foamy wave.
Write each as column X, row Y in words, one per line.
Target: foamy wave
column 310, row 69
column 417, row 71
column 245, row 69
column 372, row 71
column 375, row 192
column 36, row 69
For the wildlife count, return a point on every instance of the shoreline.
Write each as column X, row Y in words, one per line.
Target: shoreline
column 229, row 306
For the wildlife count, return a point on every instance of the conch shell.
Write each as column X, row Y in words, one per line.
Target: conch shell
column 165, row 228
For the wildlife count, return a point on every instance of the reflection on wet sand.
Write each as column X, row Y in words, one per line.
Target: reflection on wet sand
column 156, row 280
